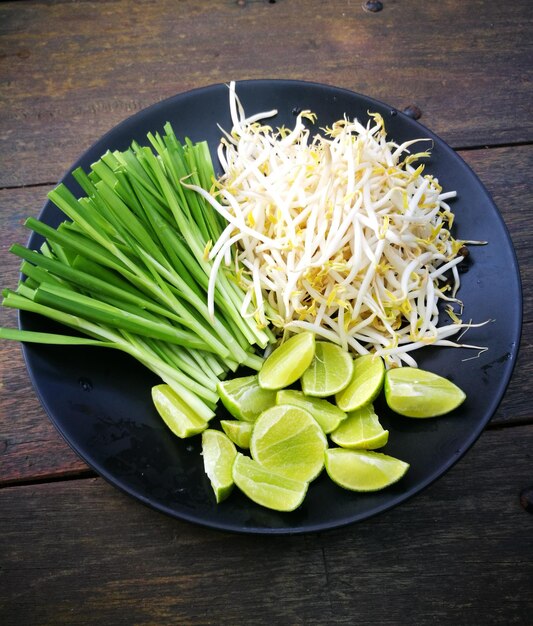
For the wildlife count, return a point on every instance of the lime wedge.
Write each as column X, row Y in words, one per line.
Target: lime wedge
column 365, row 385
column 176, row 414
column 330, row 371
column 244, row 398
column 414, row 392
column 267, row 488
column 287, row 440
column 288, row 361
column 219, row 454
column 363, row 470
column 328, row 415
column 239, row 432
column 361, row 429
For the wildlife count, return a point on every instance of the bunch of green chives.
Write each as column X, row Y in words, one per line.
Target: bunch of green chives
column 128, row 271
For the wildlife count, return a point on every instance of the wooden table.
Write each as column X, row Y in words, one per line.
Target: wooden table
column 73, row 550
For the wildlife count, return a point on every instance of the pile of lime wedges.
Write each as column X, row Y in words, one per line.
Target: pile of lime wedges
column 309, row 408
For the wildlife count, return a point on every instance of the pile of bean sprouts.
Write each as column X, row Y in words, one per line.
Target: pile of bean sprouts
column 340, row 233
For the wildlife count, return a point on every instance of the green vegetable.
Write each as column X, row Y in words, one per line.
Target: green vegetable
column 127, row 270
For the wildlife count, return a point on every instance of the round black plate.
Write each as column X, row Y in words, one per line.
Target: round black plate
column 100, row 400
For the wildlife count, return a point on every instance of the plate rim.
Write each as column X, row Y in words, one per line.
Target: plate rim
column 466, row 444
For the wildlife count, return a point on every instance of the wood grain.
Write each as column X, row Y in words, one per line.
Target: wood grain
column 72, row 70
column 29, row 445
column 73, row 550
column 80, row 552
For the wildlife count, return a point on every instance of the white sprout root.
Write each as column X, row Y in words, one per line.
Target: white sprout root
column 340, row 234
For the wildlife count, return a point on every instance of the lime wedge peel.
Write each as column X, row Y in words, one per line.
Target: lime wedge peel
column 219, row 454
column 413, row 392
column 176, row 414
column 328, row 415
column 363, row 470
column 330, row 371
column 361, row 429
column 287, row 440
column 266, row 487
column 365, row 385
column 244, row 398
column 286, row 364
column 238, row 431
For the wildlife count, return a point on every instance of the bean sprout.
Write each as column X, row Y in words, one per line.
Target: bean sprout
column 339, row 233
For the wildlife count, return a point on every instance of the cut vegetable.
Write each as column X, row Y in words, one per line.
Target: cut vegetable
column 287, row 362
column 267, row 488
column 361, row 429
column 365, row 385
column 218, row 454
column 239, row 432
column 244, row 398
column 127, row 269
column 340, row 233
column 414, row 392
column 330, row 371
column 176, row 413
column 328, row 415
column 363, row 470
column 287, row 440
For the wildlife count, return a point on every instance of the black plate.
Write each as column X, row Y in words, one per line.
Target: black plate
column 100, row 400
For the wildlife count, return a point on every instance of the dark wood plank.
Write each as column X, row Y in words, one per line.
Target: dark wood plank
column 29, row 445
column 72, row 70
column 80, row 552
column 461, row 554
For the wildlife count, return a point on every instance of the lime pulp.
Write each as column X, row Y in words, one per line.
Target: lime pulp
column 330, row 371
column 418, row 393
column 287, row 362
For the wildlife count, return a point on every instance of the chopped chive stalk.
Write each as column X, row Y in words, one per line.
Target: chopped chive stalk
column 128, row 270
